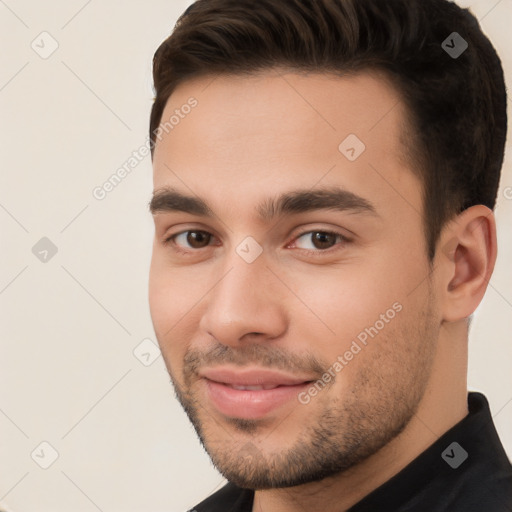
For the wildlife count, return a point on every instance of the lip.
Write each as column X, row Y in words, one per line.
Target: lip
column 251, row 404
column 252, row 377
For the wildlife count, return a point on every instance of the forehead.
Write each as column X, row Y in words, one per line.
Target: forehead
column 253, row 134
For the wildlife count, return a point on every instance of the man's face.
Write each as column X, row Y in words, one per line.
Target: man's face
column 300, row 343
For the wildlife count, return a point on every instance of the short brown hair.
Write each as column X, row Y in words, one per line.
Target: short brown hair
column 457, row 106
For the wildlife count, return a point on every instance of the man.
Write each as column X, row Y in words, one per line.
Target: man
column 324, row 178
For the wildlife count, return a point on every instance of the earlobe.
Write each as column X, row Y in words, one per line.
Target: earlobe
column 467, row 260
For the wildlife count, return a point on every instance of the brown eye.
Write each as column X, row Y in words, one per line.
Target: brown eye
column 192, row 239
column 196, row 239
column 320, row 240
column 323, row 240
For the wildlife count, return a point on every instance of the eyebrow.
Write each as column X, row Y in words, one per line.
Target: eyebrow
column 169, row 199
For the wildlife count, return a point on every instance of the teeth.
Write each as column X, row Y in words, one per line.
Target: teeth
column 254, row 388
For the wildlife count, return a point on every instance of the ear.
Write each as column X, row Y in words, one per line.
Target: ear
column 466, row 261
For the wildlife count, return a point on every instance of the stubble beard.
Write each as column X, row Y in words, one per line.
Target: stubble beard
column 347, row 430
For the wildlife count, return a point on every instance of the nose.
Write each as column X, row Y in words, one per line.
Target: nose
column 247, row 303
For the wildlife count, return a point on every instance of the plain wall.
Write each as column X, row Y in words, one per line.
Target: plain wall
column 69, row 326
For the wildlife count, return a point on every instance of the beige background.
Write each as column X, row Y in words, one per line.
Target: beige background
column 68, row 374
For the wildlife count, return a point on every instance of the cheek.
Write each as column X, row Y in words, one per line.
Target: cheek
column 158, row 295
column 381, row 361
column 171, row 304
column 344, row 301
column 168, row 292
column 359, row 312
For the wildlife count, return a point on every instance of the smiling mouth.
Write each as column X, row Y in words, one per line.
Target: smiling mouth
column 251, row 393
column 252, row 377
column 252, row 388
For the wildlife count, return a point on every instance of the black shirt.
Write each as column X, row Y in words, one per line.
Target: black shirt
column 465, row 470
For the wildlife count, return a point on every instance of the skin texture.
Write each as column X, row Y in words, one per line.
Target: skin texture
column 252, row 138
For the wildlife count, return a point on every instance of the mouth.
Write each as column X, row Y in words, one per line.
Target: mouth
column 252, row 388
column 251, row 393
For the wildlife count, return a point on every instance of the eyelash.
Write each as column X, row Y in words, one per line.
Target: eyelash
column 318, row 252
